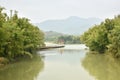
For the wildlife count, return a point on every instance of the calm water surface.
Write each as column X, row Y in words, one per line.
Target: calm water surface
column 64, row 64
column 69, row 63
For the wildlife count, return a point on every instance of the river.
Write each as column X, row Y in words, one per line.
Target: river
column 72, row 62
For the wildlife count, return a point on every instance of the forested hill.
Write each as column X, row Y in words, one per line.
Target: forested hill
column 55, row 37
column 71, row 25
column 51, row 36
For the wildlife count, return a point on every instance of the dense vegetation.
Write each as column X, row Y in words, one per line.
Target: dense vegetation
column 51, row 36
column 104, row 38
column 68, row 39
column 55, row 37
column 18, row 36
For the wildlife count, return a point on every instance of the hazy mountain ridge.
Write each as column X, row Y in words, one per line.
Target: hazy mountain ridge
column 71, row 25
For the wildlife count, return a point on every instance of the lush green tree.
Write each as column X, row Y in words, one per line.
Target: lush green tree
column 2, row 16
column 69, row 39
column 95, row 38
column 18, row 36
column 104, row 37
column 114, row 37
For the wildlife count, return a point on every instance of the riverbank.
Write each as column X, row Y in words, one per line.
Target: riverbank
column 3, row 61
column 51, row 46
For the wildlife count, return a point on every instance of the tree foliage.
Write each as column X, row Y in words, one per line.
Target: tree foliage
column 104, row 37
column 69, row 39
column 18, row 36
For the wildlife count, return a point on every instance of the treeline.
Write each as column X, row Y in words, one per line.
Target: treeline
column 18, row 37
column 104, row 38
column 55, row 37
column 69, row 39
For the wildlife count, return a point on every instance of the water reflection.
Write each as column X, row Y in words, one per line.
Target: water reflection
column 23, row 70
column 70, row 51
column 64, row 64
column 102, row 67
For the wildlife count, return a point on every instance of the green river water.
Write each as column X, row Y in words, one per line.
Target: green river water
column 70, row 63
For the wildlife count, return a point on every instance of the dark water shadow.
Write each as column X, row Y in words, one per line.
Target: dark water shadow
column 102, row 67
column 27, row 69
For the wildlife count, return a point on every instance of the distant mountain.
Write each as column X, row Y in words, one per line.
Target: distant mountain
column 71, row 25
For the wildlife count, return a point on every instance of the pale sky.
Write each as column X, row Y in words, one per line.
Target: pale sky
column 40, row 10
